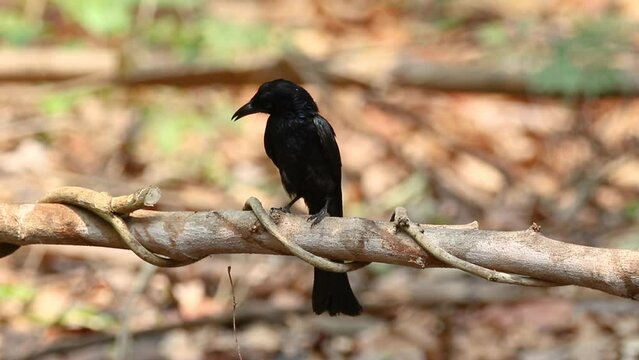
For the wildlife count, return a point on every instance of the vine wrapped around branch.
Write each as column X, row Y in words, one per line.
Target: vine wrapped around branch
column 194, row 235
column 110, row 209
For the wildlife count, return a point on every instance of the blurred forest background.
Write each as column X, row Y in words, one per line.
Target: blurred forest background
column 505, row 112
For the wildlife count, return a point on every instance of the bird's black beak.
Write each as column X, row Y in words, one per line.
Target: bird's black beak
column 247, row 109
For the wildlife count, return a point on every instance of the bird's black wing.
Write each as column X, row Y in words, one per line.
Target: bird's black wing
column 331, row 291
column 332, row 167
column 330, row 150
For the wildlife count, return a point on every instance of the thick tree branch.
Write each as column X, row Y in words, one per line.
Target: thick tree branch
column 188, row 235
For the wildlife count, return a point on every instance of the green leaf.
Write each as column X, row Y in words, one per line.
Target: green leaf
column 60, row 103
column 170, row 127
column 16, row 30
column 583, row 63
column 179, row 4
column 632, row 210
column 87, row 317
column 493, row 35
column 168, row 134
column 226, row 40
column 100, row 17
column 447, row 23
column 16, row 292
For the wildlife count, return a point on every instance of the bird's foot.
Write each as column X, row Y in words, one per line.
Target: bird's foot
column 318, row 217
column 287, row 208
column 284, row 209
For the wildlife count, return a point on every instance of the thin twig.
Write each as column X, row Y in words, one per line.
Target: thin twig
column 123, row 337
column 261, row 311
column 237, row 342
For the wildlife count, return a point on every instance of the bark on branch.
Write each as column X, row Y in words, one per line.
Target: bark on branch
column 188, row 235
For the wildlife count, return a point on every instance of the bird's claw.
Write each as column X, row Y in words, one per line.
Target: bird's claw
column 318, row 217
column 284, row 209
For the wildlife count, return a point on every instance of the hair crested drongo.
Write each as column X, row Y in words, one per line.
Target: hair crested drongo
column 301, row 143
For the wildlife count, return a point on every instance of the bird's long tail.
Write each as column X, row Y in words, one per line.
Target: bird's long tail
column 332, row 292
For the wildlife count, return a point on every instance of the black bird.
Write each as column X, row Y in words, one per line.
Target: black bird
column 301, row 143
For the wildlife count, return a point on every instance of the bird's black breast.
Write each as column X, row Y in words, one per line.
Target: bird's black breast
column 295, row 145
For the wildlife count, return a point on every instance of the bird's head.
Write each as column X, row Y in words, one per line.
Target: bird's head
column 278, row 97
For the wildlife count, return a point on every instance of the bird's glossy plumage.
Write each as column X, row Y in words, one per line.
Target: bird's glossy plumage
column 301, row 143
